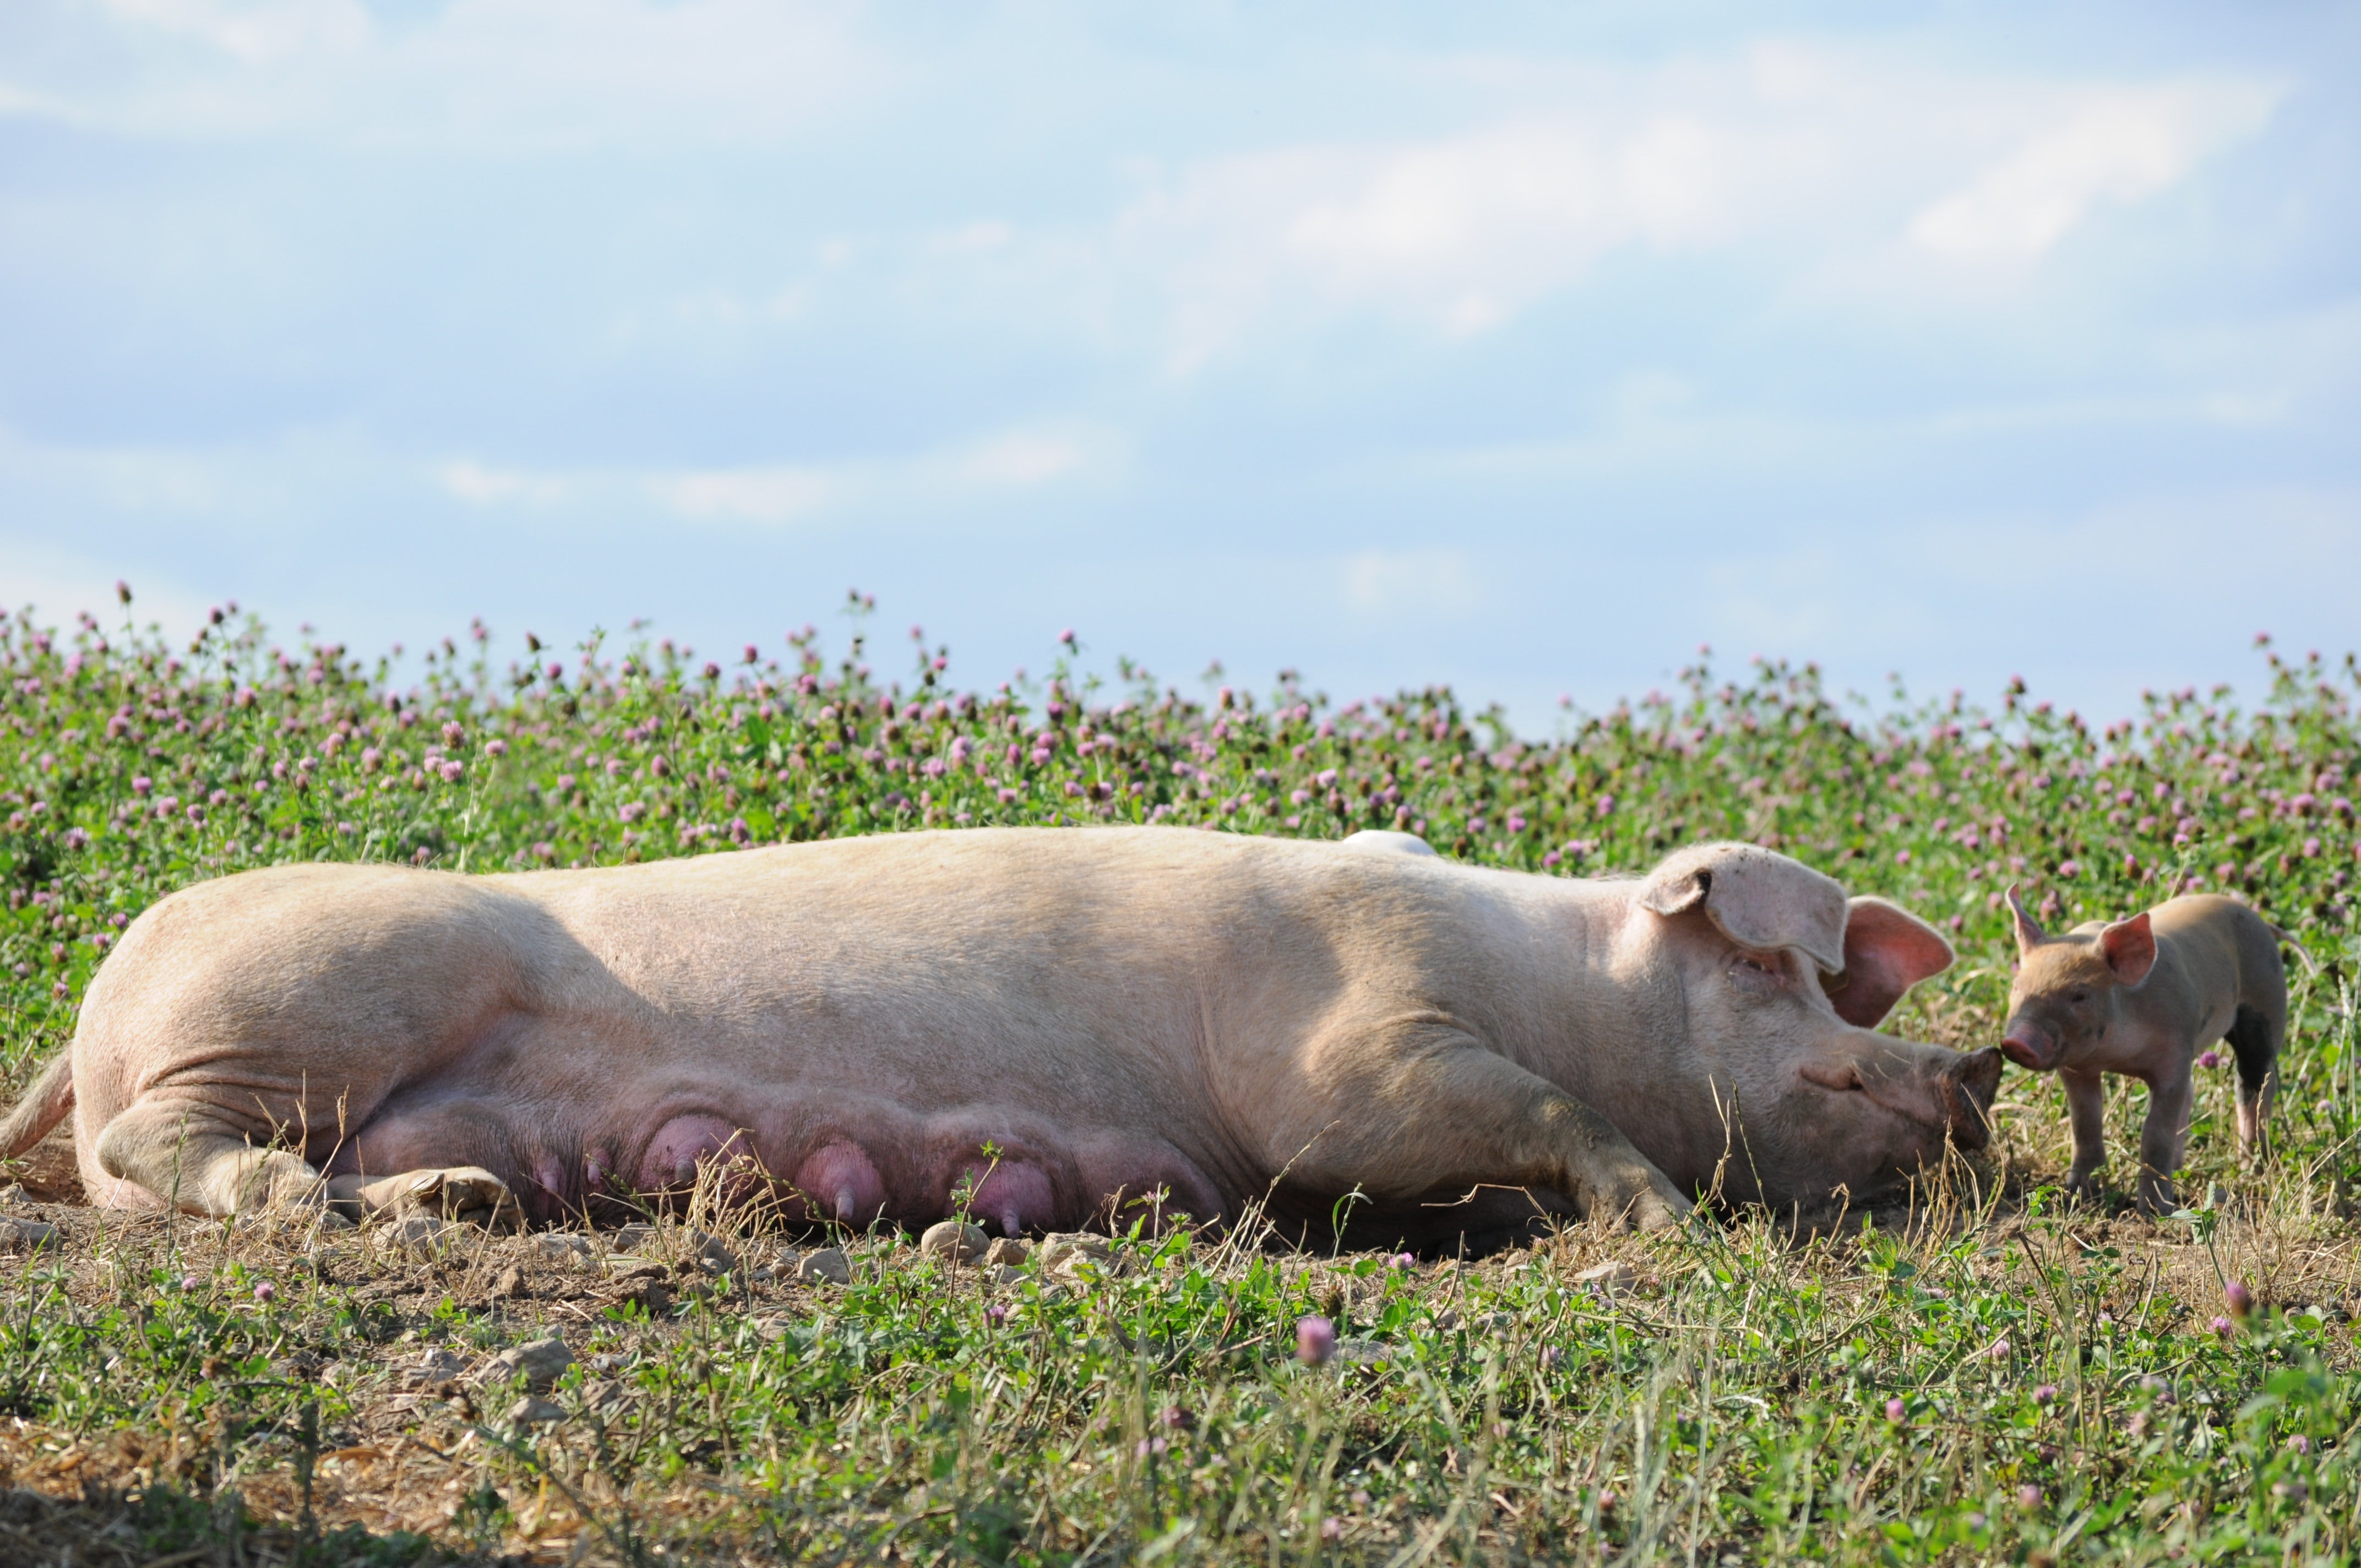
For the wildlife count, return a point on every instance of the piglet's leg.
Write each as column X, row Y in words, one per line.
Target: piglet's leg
column 2086, row 1111
column 1465, row 1117
column 2162, row 1137
column 2254, row 1038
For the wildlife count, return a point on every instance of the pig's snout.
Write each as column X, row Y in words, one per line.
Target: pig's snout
column 1969, row 1084
column 2029, row 1045
column 1933, row 1088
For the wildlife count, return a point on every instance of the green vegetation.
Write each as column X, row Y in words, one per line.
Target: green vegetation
column 1985, row 1375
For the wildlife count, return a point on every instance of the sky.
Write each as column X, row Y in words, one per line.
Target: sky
column 1524, row 348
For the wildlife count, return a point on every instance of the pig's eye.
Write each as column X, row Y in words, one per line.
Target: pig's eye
column 2078, row 997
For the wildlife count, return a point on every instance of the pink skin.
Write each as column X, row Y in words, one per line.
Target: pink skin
column 1122, row 1011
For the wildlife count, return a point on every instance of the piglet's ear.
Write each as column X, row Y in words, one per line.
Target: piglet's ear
column 1757, row 898
column 1888, row 950
column 2130, row 949
column 2028, row 930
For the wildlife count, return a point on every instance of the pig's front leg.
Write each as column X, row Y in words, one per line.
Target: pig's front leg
column 1463, row 1117
column 2086, row 1111
column 2162, row 1137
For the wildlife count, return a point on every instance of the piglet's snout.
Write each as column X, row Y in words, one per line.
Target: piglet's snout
column 2029, row 1045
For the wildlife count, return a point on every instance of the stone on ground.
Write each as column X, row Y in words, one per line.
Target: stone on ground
column 828, row 1264
column 953, row 1241
column 542, row 1362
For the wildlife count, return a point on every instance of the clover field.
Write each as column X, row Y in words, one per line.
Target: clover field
column 1979, row 1372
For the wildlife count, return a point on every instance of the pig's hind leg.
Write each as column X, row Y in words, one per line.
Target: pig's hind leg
column 198, row 1159
column 2253, row 1037
column 194, row 1157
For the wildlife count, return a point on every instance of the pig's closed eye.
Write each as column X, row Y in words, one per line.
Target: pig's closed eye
column 1840, row 1075
column 2078, row 997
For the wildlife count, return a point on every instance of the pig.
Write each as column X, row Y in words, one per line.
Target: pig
column 2142, row 996
column 1042, row 1028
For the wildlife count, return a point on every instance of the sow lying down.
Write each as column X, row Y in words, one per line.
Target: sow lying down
column 1127, row 1016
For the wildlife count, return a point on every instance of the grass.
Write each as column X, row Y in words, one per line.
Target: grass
column 1980, row 1374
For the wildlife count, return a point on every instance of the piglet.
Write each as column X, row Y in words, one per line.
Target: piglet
column 2142, row 997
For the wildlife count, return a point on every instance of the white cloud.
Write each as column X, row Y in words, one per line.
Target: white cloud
column 767, row 494
column 255, row 32
column 127, row 480
column 986, row 234
column 1512, row 209
column 1462, row 232
column 482, row 74
column 2120, row 147
column 491, row 487
column 1410, row 583
column 1021, row 457
column 1820, row 155
column 773, row 494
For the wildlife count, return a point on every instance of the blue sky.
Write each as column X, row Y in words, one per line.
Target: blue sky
column 1522, row 347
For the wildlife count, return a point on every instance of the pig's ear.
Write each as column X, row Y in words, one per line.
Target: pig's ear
column 1757, row 898
column 2130, row 949
column 2028, row 930
column 1888, row 950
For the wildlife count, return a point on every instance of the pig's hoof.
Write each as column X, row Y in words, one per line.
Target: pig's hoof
column 282, row 1185
column 1651, row 1205
column 467, row 1193
column 296, row 1199
column 1660, row 1211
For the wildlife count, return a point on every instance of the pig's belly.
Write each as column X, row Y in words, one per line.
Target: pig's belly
column 845, row 1157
